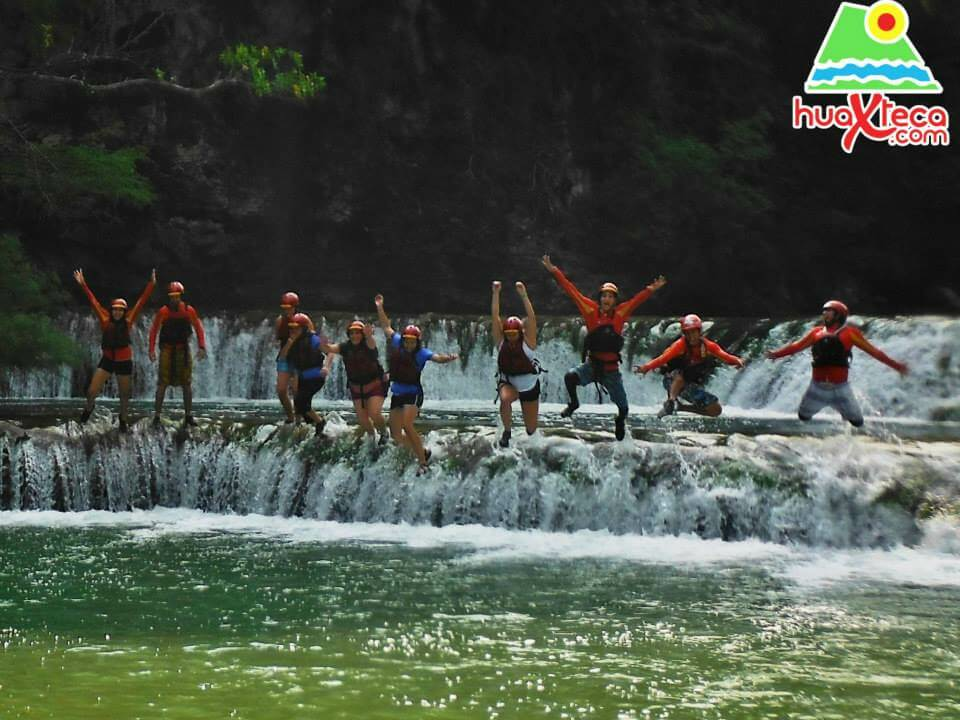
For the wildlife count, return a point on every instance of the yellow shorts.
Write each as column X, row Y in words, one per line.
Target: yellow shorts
column 176, row 365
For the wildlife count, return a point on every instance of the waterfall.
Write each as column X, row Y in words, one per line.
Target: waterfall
column 242, row 352
column 843, row 491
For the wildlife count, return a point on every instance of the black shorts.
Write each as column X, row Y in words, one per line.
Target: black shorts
column 530, row 395
column 306, row 389
column 116, row 367
column 400, row 401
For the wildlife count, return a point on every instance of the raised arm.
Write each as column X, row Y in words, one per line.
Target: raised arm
column 793, row 348
column 144, row 296
column 861, row 342
column 368, row 336
column 585, row 305
column 496, row 324
column 675, row 350
column 627, row 308
column 530, row 326
column 98, row 309
column 382, row 317
column 721, row 354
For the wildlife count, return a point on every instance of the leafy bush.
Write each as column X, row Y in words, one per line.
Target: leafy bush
column 272, row 71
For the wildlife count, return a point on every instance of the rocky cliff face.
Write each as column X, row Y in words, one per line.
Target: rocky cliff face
column 455, row 143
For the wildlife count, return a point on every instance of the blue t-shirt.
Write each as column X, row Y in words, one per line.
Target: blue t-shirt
column 314, row 372
column 421, row 358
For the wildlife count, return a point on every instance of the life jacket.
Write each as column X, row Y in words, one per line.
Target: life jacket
column 829, row 351
column 176, row 328
column 403, row 366
column 694, row 372
column 361, row 362
column 303, row 356
column 116, row 335
column 604, row 344
column 512, row 360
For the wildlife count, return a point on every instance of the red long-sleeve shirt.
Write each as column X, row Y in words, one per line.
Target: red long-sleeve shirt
column 184, row 312
column 679, row 348
column 590, row 309
column 849, row 335
column 103, row 315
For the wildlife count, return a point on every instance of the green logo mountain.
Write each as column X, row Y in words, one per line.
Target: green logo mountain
column 867, row 50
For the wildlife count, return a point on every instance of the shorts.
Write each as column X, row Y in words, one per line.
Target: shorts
column 283, row 366
column 374, row 388
column 839, row 396
column 116, row 367
column 612, row 380
column 531, row 395
column 306, row 389
column 398, row 402
column 691, row 393
column 176, row 365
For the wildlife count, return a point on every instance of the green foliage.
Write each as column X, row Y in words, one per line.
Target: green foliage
column 272, row 71
column 29, row 337
column 63, row 174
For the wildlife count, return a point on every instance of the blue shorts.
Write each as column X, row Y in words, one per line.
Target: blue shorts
column 691, row 393
column 283, row 366
column 612, row 381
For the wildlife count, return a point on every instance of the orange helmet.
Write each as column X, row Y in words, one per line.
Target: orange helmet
column 610, row 288
column 289, row 299
column 411, row 331
column 300, row 319
column 118, row 303
column 691, row 322
column 355, row 325
column 513, row 324
column 837, row 306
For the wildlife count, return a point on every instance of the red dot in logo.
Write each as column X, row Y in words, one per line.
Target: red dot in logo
column 886, row 22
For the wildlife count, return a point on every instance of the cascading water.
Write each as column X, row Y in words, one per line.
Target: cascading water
column 242, row 352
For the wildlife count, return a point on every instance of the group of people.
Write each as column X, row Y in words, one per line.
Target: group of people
column 305, row 359
column 174, row 323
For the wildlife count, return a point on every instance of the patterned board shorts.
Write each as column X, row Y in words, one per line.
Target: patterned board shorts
column 176, row 365
column 692, row 393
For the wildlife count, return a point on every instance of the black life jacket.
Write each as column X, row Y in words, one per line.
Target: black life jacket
column 695, row 373
column 303, row 356
column 116, row 335
column 604, row 339
column 829, row 351
column 512, row 360
column 403, row 365
column 361, row 362
column 176, row 329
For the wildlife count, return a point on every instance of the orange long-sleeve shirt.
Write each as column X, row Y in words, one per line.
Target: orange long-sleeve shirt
column 679, row 348
column 849, row 335
column 590, row 309
column 103, row 315
column 185, row 312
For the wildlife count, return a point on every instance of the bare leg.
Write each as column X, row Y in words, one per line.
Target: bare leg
column 158, row 402
column 375, row 413
column 508, row 394
column 676, row 387
column 396, row 427
column 410, row 413
column 363, row 418
column 188, row 400
column 283, row 392
column 712, row 410
column 100, row 377
column 123, row 383
column 531, row 413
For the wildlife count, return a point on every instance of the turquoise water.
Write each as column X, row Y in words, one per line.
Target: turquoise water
column 180, row 614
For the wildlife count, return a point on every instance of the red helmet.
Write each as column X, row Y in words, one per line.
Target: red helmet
column 118, row 303
column 411, row 331
column 837, row 306
column 289, row 299
column 691, row 322
column 610, row 288
column 300, row 319
column 175, row 288
column 355, row 325
column 513, row 324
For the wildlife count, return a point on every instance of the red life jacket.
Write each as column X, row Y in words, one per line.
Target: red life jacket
column 116, row 335
column 176, row 328
column 403, row 366
column 512, row 360
column 361, row 362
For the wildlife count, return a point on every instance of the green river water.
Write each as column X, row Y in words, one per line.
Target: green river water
column 127, row 620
